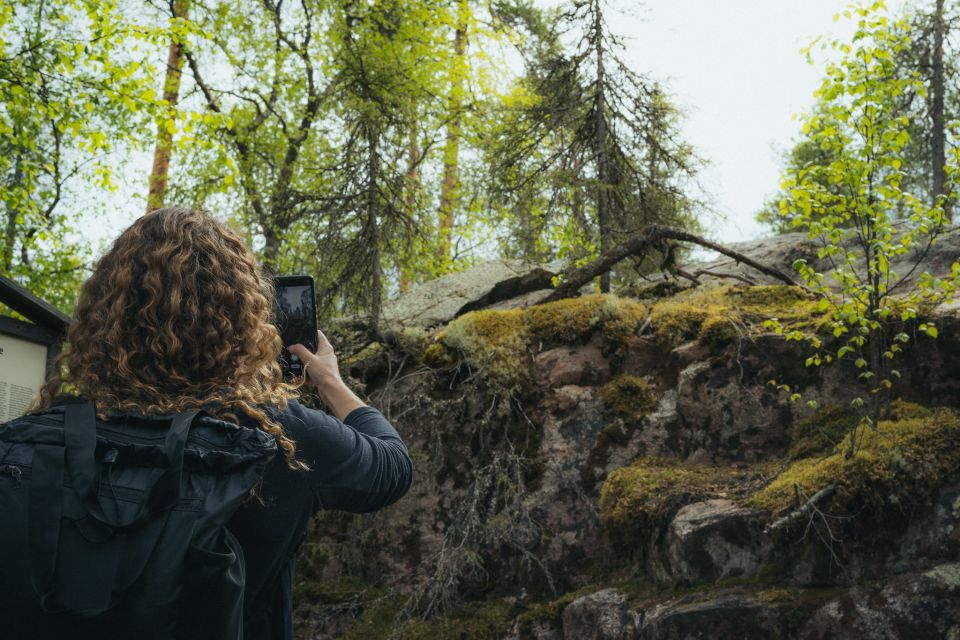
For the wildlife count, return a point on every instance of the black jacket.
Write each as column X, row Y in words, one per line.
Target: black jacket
column 357, row 465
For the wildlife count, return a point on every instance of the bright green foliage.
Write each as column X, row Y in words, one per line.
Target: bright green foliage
column 850, row 206
column 75, row 86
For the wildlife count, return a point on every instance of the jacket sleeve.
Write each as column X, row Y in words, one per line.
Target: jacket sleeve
column 358, row 465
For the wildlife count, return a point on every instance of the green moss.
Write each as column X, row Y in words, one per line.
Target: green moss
column 574, row 320
column 821, row 432
column 564, row 321
column 628, row 397
column 900, row 463
column 775, row 296
column 369, row 352
column 713, row 314
column 499, row 343
column 717, row 331
column 413, row 340
column 495, row 342
column 636, row 497
column 902, row 410
column 676, row 322
column 438, row 356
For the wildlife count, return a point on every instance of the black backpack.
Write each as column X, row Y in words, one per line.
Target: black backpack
column 117, row 529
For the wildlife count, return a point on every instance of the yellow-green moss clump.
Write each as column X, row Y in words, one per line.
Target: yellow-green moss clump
column 369, row 352
column 716, row 314
column 574, row 319
column 900, row 463
column 496, row 342
column 628, row 397
column 634, row 498
column 499, row 343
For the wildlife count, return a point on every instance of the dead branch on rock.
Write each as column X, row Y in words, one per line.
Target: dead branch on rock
column 807, row 508
column 652, row 237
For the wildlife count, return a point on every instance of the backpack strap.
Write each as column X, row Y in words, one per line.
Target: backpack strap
column 80, row 437
column 43, row 517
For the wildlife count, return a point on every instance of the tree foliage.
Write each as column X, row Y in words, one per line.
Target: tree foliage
column 74, row 87
column 857, row 207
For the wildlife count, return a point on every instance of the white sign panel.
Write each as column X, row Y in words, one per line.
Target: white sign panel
column 23, row 369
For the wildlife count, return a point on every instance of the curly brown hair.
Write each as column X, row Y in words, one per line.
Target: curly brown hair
column 176, row 317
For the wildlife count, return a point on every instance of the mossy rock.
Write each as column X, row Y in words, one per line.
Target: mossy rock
column 718, row 331
column 821, row 432
column 637, row 498
column 718, row 315
column 901, row 463
column 629, row 397
column 495, row 342
column 500, row 343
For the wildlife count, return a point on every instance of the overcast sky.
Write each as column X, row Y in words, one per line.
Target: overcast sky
column 735, row 68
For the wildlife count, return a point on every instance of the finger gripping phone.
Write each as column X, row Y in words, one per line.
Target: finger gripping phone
column 295, row 316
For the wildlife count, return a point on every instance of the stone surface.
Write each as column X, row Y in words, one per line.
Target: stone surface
column 578, row 365
column 781, row 251
column 440, row 300
column 714, row 539
column 603, row 615
column 723, row 617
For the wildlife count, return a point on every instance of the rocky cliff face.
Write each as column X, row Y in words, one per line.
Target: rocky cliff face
column 619, row 466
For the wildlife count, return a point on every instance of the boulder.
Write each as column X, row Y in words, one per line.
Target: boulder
column 604, row 615
column 918, row 605
column 714, row 539
column 723, row 616
column 578, row 365
column 441, row 300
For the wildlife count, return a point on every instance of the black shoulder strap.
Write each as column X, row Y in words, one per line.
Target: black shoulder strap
column 80, row 436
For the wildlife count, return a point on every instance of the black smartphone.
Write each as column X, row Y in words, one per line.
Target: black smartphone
column 295, row 316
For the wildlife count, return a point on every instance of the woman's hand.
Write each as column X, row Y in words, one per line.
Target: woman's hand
column 321, row 369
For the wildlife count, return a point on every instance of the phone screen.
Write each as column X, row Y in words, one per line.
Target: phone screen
column 295, row 316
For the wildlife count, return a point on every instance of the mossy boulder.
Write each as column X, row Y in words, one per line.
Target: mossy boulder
column 899, row 465
column 718, row 315
column 637, row 499
column 500, row 343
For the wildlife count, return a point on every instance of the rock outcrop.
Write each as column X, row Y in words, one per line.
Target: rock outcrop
column 612, row 467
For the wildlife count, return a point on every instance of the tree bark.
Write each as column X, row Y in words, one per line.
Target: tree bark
column 373, row 232
column 601, row 152
column 451, row 151
column 939, row 156
column 171, row 92
column 651, row 237
column 412, row 187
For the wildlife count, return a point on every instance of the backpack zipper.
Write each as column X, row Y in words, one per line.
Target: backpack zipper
column 15, row 472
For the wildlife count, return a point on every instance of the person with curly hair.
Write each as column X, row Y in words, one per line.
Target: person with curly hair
column 177, row 316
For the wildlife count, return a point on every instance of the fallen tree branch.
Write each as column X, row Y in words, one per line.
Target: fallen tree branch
column 652, row 237
column 810, row 505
